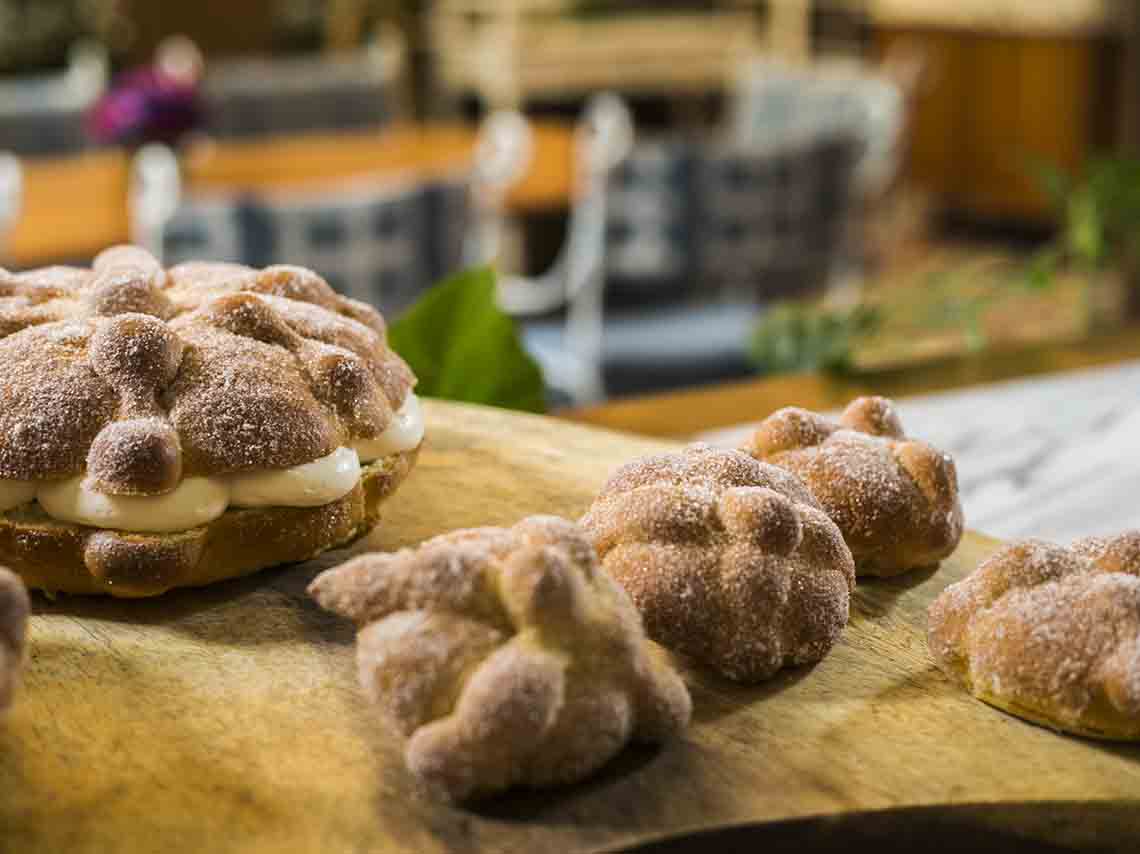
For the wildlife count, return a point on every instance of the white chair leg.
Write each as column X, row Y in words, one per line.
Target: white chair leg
column 156, row 186
column 11, row 196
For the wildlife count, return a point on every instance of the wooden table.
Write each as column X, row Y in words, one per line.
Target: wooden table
column 227, row 719
column 73, row 207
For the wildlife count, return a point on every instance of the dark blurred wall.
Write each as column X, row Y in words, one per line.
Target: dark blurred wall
column 220, row 27
column 1129, row 127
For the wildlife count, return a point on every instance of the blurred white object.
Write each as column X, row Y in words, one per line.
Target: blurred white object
column 603, row 139
column 502, row 154
column 155, row 193
column 11, row 193
column 88, row 72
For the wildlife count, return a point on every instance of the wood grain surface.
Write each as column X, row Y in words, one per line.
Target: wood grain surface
column 228, row 718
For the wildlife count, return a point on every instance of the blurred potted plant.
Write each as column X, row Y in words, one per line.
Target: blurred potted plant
column 1099, row 238
column 792, row 337
column 1096, row 253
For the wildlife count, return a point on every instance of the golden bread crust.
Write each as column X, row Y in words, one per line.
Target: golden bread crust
column 1049, row 633
column 14, row 610
column 142, row 376
column 63, row 557
column 730, row 560
column 505, row 656
column 895, row 499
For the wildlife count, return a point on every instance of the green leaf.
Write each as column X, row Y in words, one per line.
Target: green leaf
column 463, row 347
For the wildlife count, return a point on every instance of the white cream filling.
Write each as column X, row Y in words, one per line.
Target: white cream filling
column 404, row 433
column 195, row 501
column 199, row 500
column 309, row 485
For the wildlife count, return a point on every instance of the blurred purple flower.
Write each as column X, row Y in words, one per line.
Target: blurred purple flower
column 145, row 105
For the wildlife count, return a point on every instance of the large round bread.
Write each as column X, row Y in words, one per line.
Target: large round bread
column 137, row 378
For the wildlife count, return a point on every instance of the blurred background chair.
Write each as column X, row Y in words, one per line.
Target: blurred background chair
column 673, row 248
column 772, row 217
column 569, row 350
column 381, row 239
column 364, row 88
column 44, row 114
column 384, row 243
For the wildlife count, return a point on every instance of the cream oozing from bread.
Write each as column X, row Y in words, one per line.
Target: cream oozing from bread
column 195, row 501
column 405, row 432
column 199, row 500
column 308, row 485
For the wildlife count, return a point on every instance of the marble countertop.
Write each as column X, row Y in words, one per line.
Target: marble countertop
column 1056, row 457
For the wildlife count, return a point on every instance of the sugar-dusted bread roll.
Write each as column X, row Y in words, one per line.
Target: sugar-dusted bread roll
column 505, row 656
column 894, row 498
column 1049, row 633
column 730, row 561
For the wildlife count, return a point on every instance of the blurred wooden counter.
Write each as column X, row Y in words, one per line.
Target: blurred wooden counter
column 1005, row 87
column 73, row 207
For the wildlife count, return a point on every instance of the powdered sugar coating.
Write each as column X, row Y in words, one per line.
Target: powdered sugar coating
column 729, row 560
column 14, row 609
column 895, row 499
column 506, row 656
column 144, row 375
column 1049, row 632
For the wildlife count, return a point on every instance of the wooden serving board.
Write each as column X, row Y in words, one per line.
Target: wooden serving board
column 228, row 719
